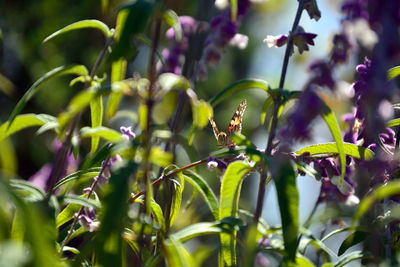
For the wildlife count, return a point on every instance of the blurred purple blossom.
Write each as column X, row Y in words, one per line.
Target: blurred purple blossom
column 127, row 133
column 355, row 9
column 88, row 224
column 298, row 122
column 276, row 41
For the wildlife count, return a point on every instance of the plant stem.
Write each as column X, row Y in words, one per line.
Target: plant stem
column 277, row 103
column 61, row 156
column 76, row 216
column 168, row 175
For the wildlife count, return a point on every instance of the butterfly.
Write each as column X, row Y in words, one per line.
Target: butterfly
column 235, row 126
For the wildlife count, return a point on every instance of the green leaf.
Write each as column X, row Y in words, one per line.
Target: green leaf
column 176, row 202
column 103, row 132
column 134, row 19
column 172, row 19
column 27, row 189
column 89, row 23
column 24, row 121
column 350, row 149
column 160, row 157
column 157, row 213
column 393, row 73
column 202, row 111
column 82, row 201
column 8, row 157
column 284, row 176
column 352, row 240
column 171, row 81
column 234, row 9
column 266, row 105
column 118, row 72
column 229, row 202
column 92, row 172
column 352, row 256
column 176, row 254
column 205, row 190
column 197, row 229
column 67, row 214
column 240, row 86
column 143, row 117
column 63, row 70
column 394, row 122
column 109, row 238
column 381, row 192
column 333, row 125
column 96, row 115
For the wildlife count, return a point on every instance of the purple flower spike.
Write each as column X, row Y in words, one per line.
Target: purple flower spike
column 127, row 133
column 322, row 74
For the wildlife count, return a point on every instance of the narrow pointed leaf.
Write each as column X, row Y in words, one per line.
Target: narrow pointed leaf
column 102, row 132
column 229, row 202
column 96, row 114
column 240, row 86
column 176, row 254
column 284, row 177
column 172, row 19
column 89, row 23
column 384, row 191
column 205, row 190
column 63, row 70
column 24, row 121
column 350, row 149
column 393, row 73
column 333, row 126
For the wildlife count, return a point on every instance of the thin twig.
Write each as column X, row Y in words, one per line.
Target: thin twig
column 277, row 103
column 167, row 176
column 76, row 216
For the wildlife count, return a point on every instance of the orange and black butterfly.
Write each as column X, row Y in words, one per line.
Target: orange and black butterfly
column 235, row 126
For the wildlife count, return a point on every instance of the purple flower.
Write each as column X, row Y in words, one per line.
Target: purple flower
column 297, row 125
column 107, row 164
column 276, row 41
column 355, row 9
column 127, row 133
column 213, row 163
column 341, row 48
column 302, row 39
column 88, row 224
column 322, row 74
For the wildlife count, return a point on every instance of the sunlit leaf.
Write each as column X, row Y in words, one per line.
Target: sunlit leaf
column 381, row 192
column 176, row 202
column 392, row 123
column 229, row 201
column 159, row 157
column 334, row 128
column 102, row 132
column 8, row 157
column 393, row 73
column 197, row 229
column 172, row 19
column 96, row 115
column 67, row 214
column 201, row 112
column 176, row 254
column 284, row 176
column 27, row 189
column 89, row 23
column 205, row 190
column 92, row 172
column 63, row 70
column 240, row 86
column 350, row 149
column 118, row 72
column 171, row 81
column 234, row 9
column 81, row 200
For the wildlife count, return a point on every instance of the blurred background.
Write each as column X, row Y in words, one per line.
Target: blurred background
column 24, row 59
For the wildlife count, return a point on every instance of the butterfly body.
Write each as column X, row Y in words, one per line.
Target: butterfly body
column 235, row 126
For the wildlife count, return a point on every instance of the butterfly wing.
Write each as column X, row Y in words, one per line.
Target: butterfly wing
column 215, row 128
column 235, row 125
